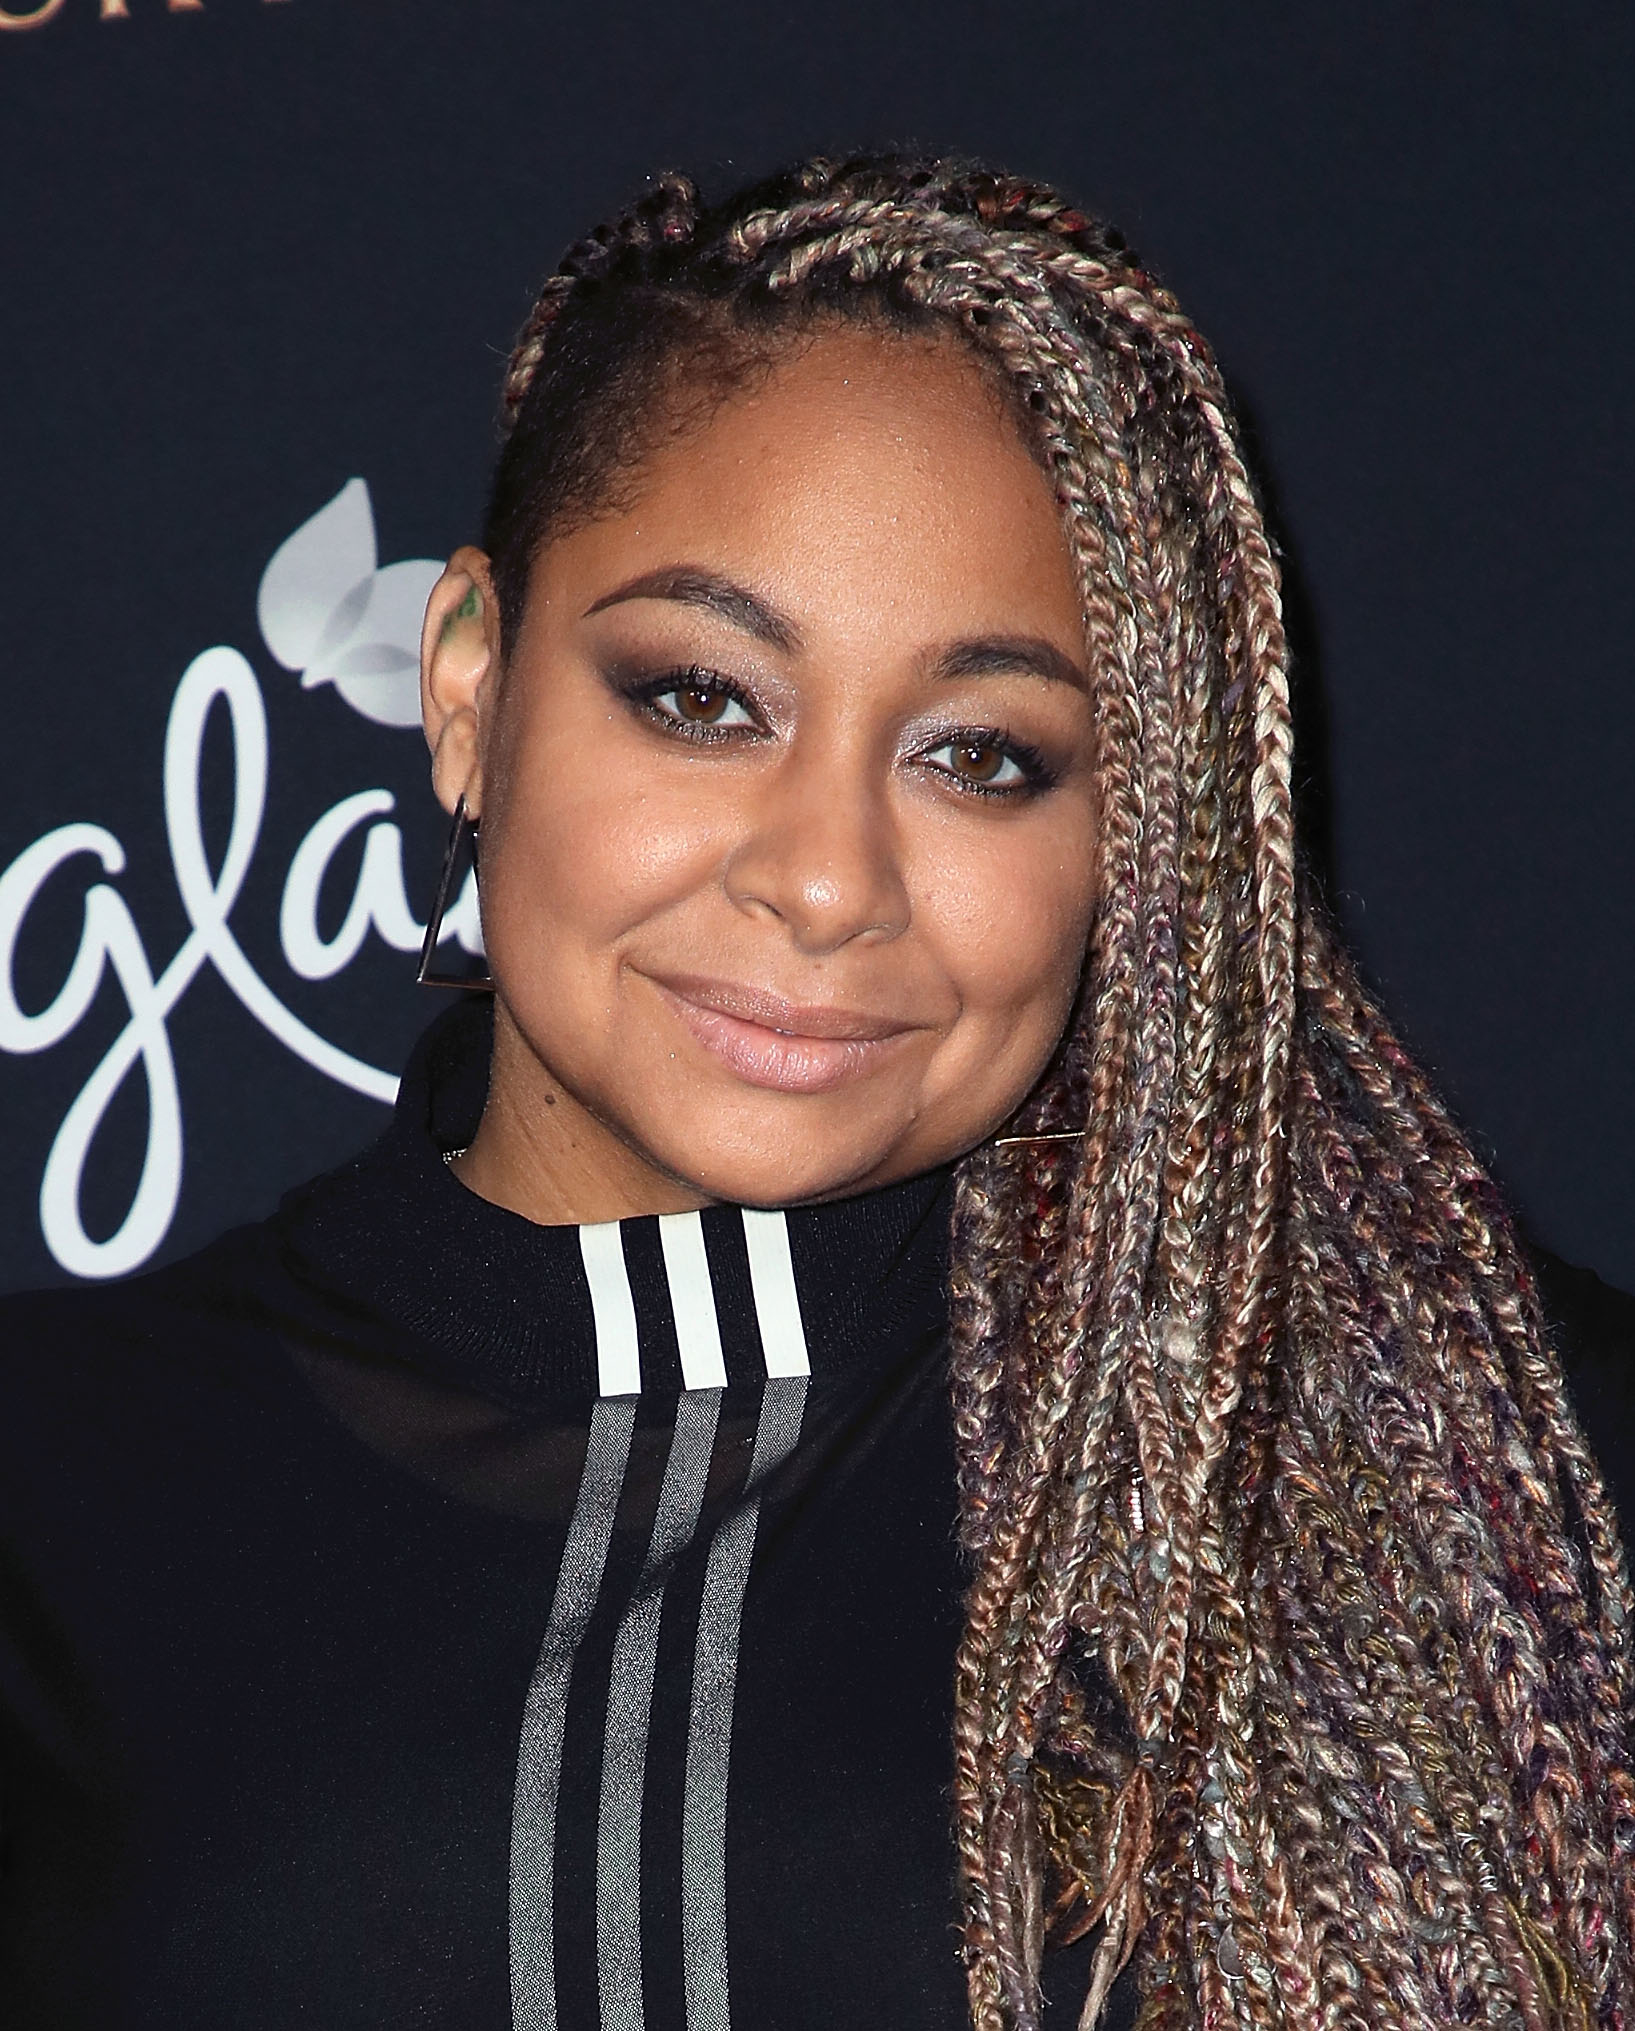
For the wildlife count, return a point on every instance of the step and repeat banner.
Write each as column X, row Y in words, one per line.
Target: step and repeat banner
column 262, row 261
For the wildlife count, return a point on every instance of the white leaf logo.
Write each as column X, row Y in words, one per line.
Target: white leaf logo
column 329, row 612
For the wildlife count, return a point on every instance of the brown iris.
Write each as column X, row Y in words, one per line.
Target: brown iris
column 700, row 704
column 980, row 760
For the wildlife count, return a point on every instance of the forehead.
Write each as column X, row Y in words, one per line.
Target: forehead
column 885, row 404
column 857, row 460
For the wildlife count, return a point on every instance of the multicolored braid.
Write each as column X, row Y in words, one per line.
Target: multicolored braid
column 1297, row 1651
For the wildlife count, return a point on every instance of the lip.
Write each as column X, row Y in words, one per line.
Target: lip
column 788, row 1047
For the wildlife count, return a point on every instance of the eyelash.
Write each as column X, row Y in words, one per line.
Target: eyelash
column 1036, row 771
column 644, row 694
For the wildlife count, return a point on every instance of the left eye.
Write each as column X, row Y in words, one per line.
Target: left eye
column 983, row 764
column 702, row 704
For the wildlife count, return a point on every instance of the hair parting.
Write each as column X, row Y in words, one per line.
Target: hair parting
column 1296, row 1658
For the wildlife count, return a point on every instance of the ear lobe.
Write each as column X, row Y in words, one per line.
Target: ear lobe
column 459, row 651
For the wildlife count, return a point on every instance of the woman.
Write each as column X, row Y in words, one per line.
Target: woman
column 533, row 1578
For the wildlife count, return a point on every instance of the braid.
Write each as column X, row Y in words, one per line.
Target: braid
column 1297, row 1646
column 665, row 216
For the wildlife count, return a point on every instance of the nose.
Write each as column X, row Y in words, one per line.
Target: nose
column 821, row 856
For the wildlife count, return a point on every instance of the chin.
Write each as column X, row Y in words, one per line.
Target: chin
column 782, row 1171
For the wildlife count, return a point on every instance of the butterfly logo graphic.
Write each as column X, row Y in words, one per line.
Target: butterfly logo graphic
column 331, row 612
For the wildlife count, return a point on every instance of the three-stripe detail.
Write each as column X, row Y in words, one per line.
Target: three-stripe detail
column 692, row 1300
column 630, row 1688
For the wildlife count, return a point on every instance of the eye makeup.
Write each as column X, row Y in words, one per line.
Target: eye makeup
column 988, row 761
column 694, row 703
column 703, row 699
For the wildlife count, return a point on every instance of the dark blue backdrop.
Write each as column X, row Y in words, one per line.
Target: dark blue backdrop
column 258, row 249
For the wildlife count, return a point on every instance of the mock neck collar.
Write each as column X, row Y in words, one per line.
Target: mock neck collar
column 526, row 1315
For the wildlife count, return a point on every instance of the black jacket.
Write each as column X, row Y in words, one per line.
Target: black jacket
column 395, row 1632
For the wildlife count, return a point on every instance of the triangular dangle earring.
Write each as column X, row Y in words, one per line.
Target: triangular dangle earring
column 477, row 983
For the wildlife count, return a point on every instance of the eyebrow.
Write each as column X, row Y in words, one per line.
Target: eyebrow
column 690, row 586
column 982, row 656
column 1005, row 655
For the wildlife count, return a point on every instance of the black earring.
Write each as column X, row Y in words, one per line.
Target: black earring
column 477, row 982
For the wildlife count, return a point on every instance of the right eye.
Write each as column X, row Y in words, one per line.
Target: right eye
column 702, row 702
column 693, row 704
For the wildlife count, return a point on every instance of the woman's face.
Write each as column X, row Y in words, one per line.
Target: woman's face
column 786, row 799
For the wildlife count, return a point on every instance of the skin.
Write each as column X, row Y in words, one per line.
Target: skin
column 469, row 609
column 772, row 943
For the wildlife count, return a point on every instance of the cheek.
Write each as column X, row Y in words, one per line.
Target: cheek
column 578, row 853
column 1010, row 917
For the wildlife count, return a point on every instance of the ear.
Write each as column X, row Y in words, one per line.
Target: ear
column 459, row 658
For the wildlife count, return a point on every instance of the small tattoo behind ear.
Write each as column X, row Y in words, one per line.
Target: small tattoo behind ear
column 468, row 610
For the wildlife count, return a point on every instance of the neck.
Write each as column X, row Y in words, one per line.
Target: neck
column 541, row 1153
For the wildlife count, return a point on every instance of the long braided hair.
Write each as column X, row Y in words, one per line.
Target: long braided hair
column 1296, row 1655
